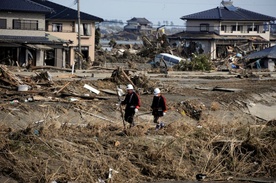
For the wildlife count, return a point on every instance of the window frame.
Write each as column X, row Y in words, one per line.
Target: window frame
column 25, row 24
column 223, row 28
column 58, row 26
column 85, row 29
column 204, row 27
column 3, row 23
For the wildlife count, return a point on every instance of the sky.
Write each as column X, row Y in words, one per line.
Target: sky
column 161, row 10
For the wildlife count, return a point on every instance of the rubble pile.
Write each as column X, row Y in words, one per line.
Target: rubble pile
column 68, row 128
column 97, row 152
column 192, row 108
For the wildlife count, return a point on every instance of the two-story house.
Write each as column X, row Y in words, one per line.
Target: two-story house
column 62, row 22
column 44, row 33
column 22, row 33
column 216, row 31
column 140, row 25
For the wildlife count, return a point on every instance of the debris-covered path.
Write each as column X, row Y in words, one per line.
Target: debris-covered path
column 58, row 130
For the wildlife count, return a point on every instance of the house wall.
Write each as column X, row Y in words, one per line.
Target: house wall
column 215, row 26
column 136, row 26
column 67, row 26
column 244, row 29
column 194, row 25
column 70, row 32
column 24, row 16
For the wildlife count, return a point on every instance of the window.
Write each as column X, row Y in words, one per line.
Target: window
column 204, row 27
column 240, row 28
column 25, row 24
column 253, row 28
column 256, row 28
column 233, row 28
column 85, row 29
column 223, row 28
column 249, row 28
column 57, row 27
column 3, row 23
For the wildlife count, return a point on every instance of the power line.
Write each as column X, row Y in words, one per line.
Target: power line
column 66, row 8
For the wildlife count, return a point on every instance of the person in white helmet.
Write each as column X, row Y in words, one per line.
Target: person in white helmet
column 132, row 102
column 159, row 107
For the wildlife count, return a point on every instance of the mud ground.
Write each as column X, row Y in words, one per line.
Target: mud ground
column 194, row 100
column 230, row 104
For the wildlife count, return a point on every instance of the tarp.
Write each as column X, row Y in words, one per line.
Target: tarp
column 265, row 53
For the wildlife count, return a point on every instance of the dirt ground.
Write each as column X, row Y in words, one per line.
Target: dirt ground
column 60, row 131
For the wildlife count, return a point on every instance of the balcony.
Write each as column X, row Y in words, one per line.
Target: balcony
column 264, row 34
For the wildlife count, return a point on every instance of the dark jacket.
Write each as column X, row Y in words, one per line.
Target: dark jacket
column 132, row 101
column 158, row 105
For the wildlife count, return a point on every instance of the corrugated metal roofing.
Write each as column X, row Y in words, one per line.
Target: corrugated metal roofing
column 23, row 6
column 65, row 13
column 265, row 53
column 29, row 39
column 222, row 13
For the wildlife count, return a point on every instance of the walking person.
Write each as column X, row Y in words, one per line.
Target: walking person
column 132, row 102
column 159, row 107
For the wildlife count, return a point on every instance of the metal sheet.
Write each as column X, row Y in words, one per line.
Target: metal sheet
column 39, row 46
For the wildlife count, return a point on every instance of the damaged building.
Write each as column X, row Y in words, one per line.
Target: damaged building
column 40, row 32
column 223, row 30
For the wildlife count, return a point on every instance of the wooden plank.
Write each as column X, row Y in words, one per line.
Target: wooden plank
column 112, row 92
column 63, row 87
column 91, row 88
column 226, row 89
column 205, row 88
column 49, row 67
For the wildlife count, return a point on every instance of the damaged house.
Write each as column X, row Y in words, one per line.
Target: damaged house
column 40, row 32
column 265, row 58
column 223, row 30
column 23, row 39
column 62, row 22
column 139, row 25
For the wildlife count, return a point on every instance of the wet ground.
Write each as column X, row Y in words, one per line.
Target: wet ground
column 219, row 96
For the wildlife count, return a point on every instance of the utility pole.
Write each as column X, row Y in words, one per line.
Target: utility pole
column 79, row 38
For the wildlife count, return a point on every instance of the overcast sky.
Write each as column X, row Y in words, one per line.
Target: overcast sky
column 161, row 10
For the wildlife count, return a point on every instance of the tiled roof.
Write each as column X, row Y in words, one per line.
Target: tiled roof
column 23, row 6
column 266, row 53
column 29, row 39
column 140, row 20
column 65, row 13
column 222, row 13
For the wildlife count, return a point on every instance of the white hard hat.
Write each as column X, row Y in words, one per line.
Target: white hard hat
column 156, row 91
column 129, row 87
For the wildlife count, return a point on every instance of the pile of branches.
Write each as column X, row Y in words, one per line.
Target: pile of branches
column 98, row 152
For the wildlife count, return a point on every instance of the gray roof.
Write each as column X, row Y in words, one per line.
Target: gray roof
column 222, row 13
column 65, row 13
column 265, row 53
column 23, row 6
column 30, row 40
column 143, row 21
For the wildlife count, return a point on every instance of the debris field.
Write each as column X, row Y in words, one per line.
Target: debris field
column 68, row 128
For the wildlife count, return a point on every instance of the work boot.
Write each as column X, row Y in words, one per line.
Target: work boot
column 131, row 124
column 157, row 127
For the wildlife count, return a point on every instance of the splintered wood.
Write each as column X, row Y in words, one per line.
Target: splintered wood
column 8, row 77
